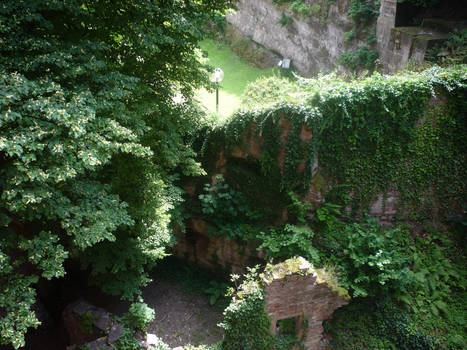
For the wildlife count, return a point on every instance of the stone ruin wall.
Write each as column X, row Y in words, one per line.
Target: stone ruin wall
column 399, row 46
column 220, row 253
column 303, row 296
column 386, row 21
column 215, row 253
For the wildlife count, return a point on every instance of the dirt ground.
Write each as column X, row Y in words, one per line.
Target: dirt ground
column 181, row 317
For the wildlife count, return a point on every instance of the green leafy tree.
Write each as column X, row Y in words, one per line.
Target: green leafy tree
column 90, row 137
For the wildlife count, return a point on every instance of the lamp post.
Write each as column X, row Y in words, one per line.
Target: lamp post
column 216, row 77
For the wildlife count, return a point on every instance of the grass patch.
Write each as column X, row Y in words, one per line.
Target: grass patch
column 237, row 74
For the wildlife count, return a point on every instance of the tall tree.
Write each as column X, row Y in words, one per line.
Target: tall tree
column 91, row 136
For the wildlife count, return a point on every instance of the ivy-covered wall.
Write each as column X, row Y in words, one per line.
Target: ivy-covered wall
column 317, row 176
column 397, row 141
column 393, row 147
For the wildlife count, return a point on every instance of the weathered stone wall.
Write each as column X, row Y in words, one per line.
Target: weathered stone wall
column 250, row 50
column 302, row 293
column 214, row 252
column 384, row 207
column 409, row 44
column 240, row 159
column 313, row 44
column 386, row 21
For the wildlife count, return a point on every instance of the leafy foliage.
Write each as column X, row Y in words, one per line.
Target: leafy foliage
column 246, row 322
column 370, row 259
column 227, row 209
column 375, row 324
column 216, row 290
column 285, row 20
column 127, row 341
column 362, row 11
column 139, row 316
column 87, row 322
column 431, row 315
column 363, row 57
column 288, row 241
column 89, row 137
column 363, row 14
column 137, row 319
column 308, row 8
column 439, row 293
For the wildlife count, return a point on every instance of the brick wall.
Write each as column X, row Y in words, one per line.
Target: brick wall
column 299, row 292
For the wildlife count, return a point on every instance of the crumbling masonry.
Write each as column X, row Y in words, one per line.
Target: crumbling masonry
column 295, row 289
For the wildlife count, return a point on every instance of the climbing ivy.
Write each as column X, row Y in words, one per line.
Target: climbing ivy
column 246, row 322
column 369, row 136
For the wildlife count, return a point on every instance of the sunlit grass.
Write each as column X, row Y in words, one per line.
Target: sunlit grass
column 237, row 74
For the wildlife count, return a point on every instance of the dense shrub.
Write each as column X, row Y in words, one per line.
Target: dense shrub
column 362, row 11
column 227, row 210
column 372, row 260
column 288, row 241
column 374, row 324
column 139, row 316
column 361, row 58
column 137, row 319
column 246, row 322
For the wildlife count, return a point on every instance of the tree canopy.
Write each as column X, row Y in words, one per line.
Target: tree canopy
column 95, row 114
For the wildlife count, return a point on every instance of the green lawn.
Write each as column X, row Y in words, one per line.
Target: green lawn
column 237, row 74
